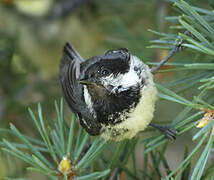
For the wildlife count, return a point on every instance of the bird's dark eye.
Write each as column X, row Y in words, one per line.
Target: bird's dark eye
column 105, row 72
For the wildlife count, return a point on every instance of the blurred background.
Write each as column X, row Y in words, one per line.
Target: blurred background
column 32, row 35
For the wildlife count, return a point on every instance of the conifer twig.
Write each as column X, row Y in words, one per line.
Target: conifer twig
column 174, row 50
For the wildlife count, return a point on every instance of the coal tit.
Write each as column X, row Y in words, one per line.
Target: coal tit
column 113, row 94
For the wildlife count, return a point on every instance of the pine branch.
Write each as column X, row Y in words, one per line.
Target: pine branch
column 66, row 155
column 198, row 22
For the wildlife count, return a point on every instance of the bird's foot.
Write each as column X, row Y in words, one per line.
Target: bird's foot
column 168, row 131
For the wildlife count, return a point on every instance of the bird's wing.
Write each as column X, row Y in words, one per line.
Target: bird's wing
column 69, row 73
column 70, row 55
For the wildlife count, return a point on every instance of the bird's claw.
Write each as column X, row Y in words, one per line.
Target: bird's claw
column 168, row 131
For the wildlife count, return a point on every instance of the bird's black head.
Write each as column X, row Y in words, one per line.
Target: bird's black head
column 98, row 71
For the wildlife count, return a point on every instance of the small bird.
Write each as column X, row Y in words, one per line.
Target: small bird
column 113, row 94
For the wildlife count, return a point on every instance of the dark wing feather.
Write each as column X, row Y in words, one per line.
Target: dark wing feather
column 69, row 55
column 69, row 73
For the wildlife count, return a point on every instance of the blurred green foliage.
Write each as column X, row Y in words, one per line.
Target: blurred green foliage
column 31, row 42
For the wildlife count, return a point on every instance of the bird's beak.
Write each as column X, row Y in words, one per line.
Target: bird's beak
column 91, row 83
column 86, row 81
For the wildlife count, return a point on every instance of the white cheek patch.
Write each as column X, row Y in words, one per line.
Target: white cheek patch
column 88, row 101
column 129, row 79
column 112, row 81
column 124, row 81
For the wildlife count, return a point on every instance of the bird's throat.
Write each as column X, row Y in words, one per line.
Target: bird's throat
column 97, row 91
